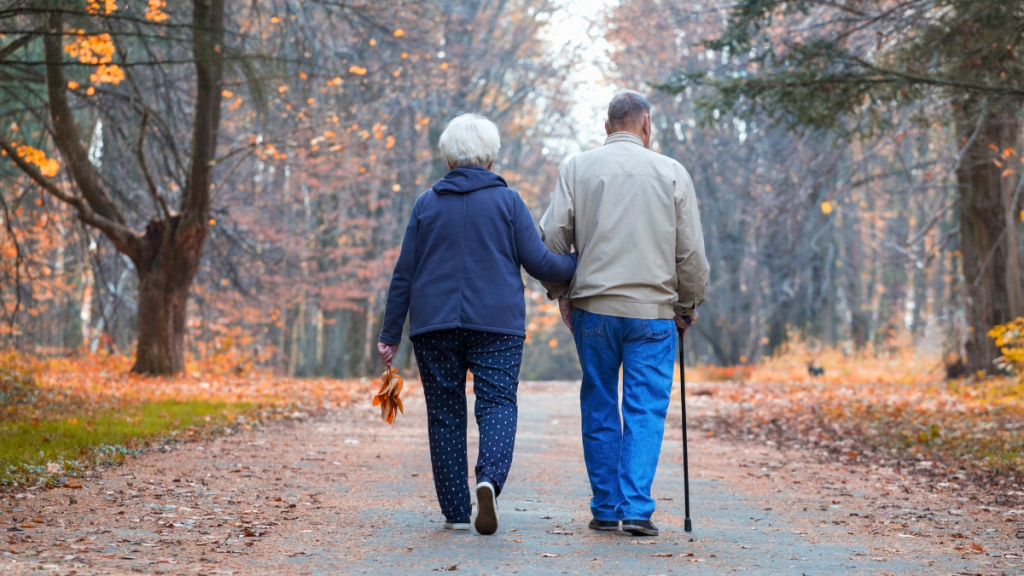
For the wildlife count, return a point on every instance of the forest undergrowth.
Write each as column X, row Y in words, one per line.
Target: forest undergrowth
column 64, row 416
column 899, row 411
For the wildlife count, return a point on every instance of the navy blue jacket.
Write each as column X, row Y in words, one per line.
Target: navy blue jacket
column 460, row 259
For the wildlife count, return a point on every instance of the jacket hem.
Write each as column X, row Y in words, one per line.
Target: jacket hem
column 451, row 325
column 610, row 306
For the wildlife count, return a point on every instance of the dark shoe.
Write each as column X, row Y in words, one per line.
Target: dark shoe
column 604, row 525
column 640, row 527
column 487, row 509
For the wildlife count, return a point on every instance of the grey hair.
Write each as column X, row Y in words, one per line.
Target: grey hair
column 470, row 140
column 627, row 109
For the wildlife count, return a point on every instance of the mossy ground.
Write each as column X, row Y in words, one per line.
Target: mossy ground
column 31, row 449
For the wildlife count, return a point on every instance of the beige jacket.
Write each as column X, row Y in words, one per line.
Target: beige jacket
column 632, row 215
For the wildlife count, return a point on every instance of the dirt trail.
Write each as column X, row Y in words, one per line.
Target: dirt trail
column 347, row 494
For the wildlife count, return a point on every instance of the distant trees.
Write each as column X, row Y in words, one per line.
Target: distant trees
column 318, row 125
column 861, row 68
column 345, row 202
column 809, row 237
column 328, row 119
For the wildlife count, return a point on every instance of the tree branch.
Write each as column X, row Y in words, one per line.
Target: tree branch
column 13, row 46
column 140, row 151
column 123, row 238
column 227, row 176
column 207, row 48
column 65, row 129
column 19, row 259
column 944, row 82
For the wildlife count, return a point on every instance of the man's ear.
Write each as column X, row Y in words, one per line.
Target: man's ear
column 450, row 167
column 607, row 127
column 490, row 165
column 647, row 123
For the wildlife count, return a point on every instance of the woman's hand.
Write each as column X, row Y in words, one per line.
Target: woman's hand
column 387, row 353
column 565, row 309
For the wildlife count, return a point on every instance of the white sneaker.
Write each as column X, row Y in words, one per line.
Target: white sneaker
column 487, row 509
column 456, row 525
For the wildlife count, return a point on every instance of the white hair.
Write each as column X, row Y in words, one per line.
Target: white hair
column 470, row 140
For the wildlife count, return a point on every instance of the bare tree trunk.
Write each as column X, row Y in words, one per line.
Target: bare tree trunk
column 164, row 282
column 161, row 324
column 989, row 232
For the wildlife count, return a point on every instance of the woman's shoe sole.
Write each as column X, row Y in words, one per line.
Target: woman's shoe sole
column 487, row 512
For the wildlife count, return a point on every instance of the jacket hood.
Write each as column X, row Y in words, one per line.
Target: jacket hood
column 466, row 179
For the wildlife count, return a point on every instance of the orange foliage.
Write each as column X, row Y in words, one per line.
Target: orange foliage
column 107, row 74
column 47, row 166
column 900, row 366
column 92, row 381
column 720, row 373
column 156, row 11
column 96, row 7
column 96, row 49
column 91, row 49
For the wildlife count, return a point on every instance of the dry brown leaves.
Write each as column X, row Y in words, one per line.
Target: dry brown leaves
column 388, row 396
column 96, row 382
column 945, row 428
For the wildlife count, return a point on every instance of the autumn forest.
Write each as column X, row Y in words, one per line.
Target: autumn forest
column 215, row 193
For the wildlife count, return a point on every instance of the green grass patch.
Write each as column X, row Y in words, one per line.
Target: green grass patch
column 31, row 450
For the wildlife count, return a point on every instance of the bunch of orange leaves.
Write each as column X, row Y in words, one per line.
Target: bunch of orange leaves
column 388, row 396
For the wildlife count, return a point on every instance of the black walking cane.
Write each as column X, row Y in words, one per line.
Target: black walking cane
column 682, row 400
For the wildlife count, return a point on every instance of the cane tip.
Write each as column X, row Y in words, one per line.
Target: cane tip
column 688, row 526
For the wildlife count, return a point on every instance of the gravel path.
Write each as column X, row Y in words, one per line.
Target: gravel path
column 347, row 494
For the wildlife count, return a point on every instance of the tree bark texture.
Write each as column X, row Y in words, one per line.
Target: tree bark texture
column 989, row 231
column 164, row 282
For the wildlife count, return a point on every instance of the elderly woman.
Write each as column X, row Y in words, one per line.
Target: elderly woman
column 458, row 276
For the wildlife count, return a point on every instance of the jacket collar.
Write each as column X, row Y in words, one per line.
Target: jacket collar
column 624, row 137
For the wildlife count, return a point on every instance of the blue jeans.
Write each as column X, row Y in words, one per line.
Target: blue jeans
column 444, row 356
column 622, row 455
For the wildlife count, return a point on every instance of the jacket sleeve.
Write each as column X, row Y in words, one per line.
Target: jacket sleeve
column 692, row 268
column 535, row 257
column 558, row 225
column 401, row 283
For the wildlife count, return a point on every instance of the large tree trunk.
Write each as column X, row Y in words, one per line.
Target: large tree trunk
column 989, row 231
column 164, row 282
column 161, row 326
column 167, row 256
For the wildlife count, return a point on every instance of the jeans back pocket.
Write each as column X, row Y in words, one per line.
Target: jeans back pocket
column 657, row 329
column 593, row 324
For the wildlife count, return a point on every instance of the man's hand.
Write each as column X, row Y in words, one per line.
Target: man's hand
column 682, row 324
column 387, row 353
column 565, row 307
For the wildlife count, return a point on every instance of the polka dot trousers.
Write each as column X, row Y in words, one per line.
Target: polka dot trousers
column 444, row 356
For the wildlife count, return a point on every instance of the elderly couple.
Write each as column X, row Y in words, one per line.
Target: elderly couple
column 637, row 274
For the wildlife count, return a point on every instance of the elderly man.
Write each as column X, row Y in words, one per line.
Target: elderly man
column 632, row 215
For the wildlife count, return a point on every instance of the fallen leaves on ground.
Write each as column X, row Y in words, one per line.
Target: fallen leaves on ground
column 878, row 411
column 52, row 396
